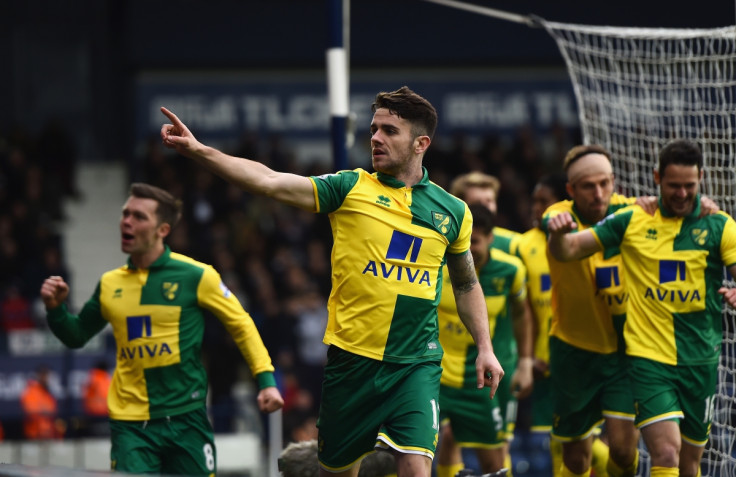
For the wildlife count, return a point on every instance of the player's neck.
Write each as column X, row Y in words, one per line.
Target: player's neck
column 411, row 172
column 145, row 259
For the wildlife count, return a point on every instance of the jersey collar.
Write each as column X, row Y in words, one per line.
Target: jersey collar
column 391, row 181
column 578, row 216
column 694, row 213
column 159, row 262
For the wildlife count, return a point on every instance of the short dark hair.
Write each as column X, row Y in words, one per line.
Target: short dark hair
column 169, row 208
column 681, row 152
column 577, row 152
column 483, row 219
column 557, row 182
column 408, row 105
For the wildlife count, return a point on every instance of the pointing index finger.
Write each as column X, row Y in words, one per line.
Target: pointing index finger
column 172, row 117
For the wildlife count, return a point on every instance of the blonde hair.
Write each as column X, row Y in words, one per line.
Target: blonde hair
column 460, row 185
column 577, row 152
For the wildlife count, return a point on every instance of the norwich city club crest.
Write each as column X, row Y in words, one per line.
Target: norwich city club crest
column 441, row 222
column 170, row 290
column 699, row 236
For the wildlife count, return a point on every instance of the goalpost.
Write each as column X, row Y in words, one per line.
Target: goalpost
column 636, row 89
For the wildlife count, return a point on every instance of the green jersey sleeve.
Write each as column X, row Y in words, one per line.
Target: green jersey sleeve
column 462, row 243
column 331, row 189
column 610, row 231
column 76, row 330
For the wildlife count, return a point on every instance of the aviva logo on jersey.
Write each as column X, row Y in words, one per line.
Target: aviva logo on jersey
column 402, row 247
column 681, row 287
column 607, row 277
column 140, row 327
column 608, row 281
column 545, row 282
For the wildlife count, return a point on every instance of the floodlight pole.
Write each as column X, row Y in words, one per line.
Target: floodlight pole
column 337, row 79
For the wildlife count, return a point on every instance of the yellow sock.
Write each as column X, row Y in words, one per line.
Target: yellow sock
column 600, row 461
column 555, row 450
column 615, row 471
column 449, row 470
column 664, row 472
column 569, row 473
column 507, row 464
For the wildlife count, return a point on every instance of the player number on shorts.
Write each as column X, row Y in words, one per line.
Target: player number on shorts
column 710, row 404
column 435, row 415
column 497, row 419
column 209, row 456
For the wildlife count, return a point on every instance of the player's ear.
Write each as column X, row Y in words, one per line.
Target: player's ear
column 421, row 143
column 164, row 229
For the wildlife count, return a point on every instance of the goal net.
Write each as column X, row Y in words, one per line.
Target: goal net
column 637, row 89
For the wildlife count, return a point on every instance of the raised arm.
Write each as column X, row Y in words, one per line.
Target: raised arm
column 249, row 175
column 565, row 246
column 471, row 307
column 72, row 330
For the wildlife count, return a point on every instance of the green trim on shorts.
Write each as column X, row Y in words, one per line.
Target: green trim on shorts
column 368, row 403
column 685, row 394
column 507, row 403
column 182, row 444
column 542, row 407
column 475, row 418
column 585, row 387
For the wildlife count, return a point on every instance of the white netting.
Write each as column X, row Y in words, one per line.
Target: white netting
column 638, row 88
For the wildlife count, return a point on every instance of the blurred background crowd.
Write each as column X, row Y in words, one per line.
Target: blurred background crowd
column 273, row 257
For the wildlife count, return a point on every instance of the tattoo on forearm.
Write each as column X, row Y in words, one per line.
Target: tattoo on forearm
column 462, row 273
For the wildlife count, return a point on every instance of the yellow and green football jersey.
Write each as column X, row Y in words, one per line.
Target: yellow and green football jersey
column 532, row 249
column 506, row 240
column 158, row 324
column 390, row 243
column 674, row 268
column 587, row 293
column 503, row 280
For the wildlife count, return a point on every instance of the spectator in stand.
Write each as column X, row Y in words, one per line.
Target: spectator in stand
column 15, row 311
column 40, row 409
column 94, row 400
column 29, row 203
